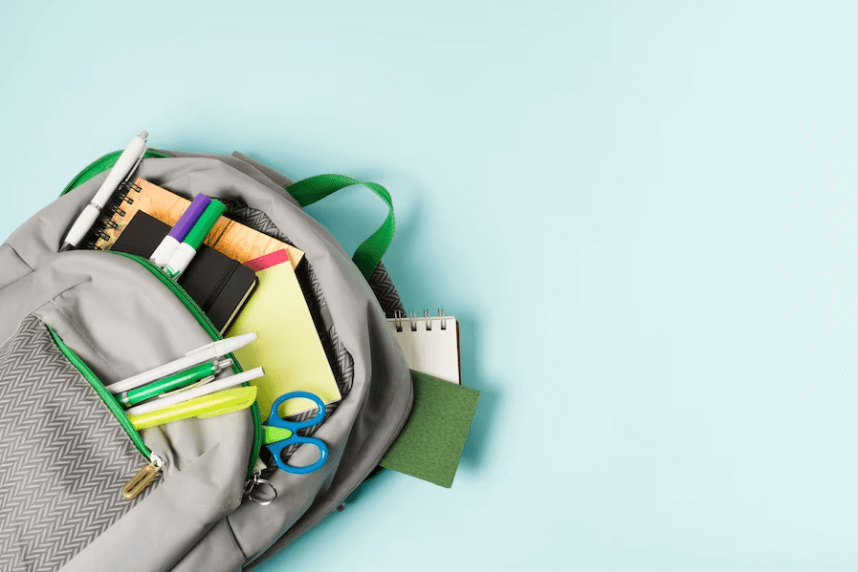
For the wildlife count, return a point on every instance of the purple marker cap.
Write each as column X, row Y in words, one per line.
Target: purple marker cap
column 189, row 217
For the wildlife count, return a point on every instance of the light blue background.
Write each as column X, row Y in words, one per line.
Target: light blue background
column 644, row 216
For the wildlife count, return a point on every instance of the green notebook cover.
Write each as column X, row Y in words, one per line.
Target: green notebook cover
column 431, row 444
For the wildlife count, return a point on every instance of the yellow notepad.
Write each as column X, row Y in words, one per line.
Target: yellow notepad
column 288, row 348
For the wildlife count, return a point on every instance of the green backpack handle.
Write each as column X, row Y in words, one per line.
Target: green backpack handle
column 306, row 192
column 369, row 253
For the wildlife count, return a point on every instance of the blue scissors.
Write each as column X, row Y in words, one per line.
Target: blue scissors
column 280, row 433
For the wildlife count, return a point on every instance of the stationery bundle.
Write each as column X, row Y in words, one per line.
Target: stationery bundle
column 176, row 389
column 262, row 295
column 246, row 440
column 237, row 241
column 432, row 442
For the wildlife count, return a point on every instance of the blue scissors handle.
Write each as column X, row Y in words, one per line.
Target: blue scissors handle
column 275, row 420
column 276, row 448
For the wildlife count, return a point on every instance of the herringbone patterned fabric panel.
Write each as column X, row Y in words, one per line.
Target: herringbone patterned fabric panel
column 383, row 288
column 64, row 456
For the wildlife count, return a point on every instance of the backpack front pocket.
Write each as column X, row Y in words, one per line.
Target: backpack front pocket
column 66, row 457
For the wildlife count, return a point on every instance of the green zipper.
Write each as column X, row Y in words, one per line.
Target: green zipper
column 102, row 164
column 99, row 166
column 105, row 395
column 210, row 328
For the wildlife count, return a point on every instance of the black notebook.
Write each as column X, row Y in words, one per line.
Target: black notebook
column 216, row 282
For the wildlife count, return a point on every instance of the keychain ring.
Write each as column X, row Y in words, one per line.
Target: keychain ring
column 252, row 486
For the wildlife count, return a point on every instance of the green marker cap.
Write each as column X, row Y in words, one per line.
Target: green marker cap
column 205, row 223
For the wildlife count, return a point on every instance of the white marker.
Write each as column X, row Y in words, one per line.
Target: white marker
column 186, row 251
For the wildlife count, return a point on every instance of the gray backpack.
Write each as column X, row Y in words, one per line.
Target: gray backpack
column 73, row 322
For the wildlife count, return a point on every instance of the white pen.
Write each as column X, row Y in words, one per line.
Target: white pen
column 122, row 169
column 193, row 357
column 210, row 387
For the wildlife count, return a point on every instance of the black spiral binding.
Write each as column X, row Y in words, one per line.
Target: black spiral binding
column 105, row 219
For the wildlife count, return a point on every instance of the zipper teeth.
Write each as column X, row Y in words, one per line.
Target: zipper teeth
column 82, row 176
column 204, row 320
column 103, row 393
column 102, row 164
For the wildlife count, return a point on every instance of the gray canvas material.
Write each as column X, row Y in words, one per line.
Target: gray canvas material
column 120, row 319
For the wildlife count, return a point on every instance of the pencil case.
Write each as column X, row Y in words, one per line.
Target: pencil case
column 114, row 315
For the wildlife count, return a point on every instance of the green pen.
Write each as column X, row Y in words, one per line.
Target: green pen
column 203, row 372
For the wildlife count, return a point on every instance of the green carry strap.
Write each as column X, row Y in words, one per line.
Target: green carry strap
column 369, row 253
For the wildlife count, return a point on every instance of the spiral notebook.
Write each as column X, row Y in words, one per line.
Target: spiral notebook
column 227, row 236
column 430, row 344
column 432, row 441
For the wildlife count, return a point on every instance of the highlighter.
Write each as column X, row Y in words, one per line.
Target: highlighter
column 177, row 234
column 185, row 252
column 220, row 403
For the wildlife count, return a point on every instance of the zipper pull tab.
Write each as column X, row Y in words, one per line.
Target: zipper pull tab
column 143, row 478
column 253, row 485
